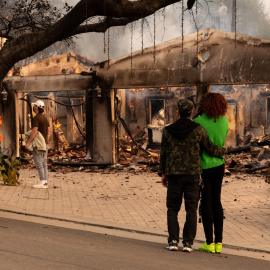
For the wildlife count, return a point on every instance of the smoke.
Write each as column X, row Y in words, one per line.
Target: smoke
column 124, row 40
column 131, row 38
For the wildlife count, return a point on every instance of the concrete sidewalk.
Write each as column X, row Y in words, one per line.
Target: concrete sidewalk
column 135, row 201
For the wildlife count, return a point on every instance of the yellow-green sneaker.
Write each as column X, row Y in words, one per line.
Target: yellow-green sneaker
column 208, row 248
column 218, row 247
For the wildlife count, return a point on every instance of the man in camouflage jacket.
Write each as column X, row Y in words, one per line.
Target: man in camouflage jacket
column 180, row 169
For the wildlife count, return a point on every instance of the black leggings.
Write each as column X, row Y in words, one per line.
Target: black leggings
column 212, row 211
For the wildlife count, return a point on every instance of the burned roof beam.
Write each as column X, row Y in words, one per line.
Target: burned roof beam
column 50, row 83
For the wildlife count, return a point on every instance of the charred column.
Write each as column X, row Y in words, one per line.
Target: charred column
column 202, row 89
column 89, row 123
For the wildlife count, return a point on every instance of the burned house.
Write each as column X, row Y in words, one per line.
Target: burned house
column 144, row 94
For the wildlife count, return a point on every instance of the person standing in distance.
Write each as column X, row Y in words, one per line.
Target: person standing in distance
column 180, row 169
column 41, row 124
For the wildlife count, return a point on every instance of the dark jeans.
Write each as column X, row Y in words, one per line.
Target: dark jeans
column 179, row 185
column 212, row 211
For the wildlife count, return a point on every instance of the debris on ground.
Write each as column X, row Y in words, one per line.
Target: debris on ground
column 252, row 156
column 73, row 158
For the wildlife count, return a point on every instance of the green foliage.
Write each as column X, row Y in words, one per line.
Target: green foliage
column 18, row 17
column 10, row 170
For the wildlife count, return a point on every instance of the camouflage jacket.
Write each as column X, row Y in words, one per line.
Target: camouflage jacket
column 181, row 146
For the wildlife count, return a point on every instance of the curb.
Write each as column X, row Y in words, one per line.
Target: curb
column 111, row 227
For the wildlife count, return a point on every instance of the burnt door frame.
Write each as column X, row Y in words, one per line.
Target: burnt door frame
column 150, row 108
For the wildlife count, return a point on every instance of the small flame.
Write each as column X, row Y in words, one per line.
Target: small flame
column 267, row 89
column 142, row 89
column 262, row 129
column 57, row 125
column 132, row 104
column 137, row 89
column 77, row 70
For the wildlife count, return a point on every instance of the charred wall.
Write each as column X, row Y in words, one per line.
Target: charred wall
column 251, row 111
column 151, row 109
column 248, row 109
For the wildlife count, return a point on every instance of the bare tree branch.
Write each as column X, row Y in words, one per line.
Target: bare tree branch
column 101, row 27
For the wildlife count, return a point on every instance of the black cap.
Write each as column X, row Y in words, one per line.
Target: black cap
column 184, row 105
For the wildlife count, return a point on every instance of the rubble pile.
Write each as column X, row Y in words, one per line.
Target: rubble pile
column 133, row 152
column 71, row 155
column 137, row 157
column 252, row 156
column 74, row 153
column 132, row 157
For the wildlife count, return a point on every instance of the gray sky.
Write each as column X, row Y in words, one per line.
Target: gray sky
column 91, row 45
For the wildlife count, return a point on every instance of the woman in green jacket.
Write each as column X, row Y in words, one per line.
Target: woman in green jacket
column 216, row 124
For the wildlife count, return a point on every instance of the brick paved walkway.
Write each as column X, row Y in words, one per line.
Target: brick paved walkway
column 137, row 202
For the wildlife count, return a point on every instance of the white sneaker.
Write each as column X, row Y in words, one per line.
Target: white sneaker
column 187, row 248
column 42, row 184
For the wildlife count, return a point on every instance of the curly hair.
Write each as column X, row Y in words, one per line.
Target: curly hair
column 214, row 105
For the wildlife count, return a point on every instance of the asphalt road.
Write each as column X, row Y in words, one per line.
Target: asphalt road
column 28, row 245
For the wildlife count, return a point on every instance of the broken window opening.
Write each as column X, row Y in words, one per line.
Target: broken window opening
column 157, row 112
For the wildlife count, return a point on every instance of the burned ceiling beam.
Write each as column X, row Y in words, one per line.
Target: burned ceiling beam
column 50, row 83
column 212, row 57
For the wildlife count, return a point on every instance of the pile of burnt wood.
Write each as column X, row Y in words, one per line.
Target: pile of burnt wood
column 252, row 156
